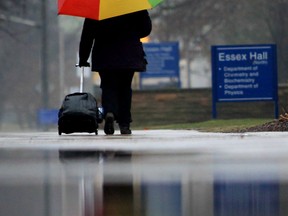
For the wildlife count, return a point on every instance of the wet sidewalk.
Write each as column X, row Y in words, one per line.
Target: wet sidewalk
column 173, row 141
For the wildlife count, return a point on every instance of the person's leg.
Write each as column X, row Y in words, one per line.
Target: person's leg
column 109, row 92
column 124, row 101
column 109, row 100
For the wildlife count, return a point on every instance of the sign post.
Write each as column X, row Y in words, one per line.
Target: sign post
column 244, row 73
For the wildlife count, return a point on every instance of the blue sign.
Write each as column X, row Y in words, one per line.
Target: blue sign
column 163, row 60
column 48, row 116
column 244, row 73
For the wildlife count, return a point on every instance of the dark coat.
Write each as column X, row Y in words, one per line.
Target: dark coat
column 116, row 42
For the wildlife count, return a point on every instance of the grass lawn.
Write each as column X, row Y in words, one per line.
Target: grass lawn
column 218, row 125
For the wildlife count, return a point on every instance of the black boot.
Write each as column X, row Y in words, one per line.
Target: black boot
column 109, row 124
column 125, row 129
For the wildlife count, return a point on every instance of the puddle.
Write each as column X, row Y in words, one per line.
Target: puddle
column 98, row 183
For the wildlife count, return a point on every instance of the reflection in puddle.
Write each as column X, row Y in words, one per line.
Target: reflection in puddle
column 246, row 198
column 99, row 183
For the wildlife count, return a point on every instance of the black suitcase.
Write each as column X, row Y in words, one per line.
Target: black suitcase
column 78, row 113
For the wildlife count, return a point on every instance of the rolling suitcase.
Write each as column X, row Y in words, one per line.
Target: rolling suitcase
column 79, row 112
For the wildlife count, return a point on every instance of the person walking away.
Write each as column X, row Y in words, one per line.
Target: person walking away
column 117, row 53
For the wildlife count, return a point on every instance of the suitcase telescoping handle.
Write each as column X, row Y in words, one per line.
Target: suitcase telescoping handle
column 81, row 78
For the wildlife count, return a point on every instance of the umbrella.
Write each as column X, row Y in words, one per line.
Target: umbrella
column 103, row 9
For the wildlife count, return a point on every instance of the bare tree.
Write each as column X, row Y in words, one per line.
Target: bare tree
column 199, row 24
column 277, row 24
column 20, row 33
